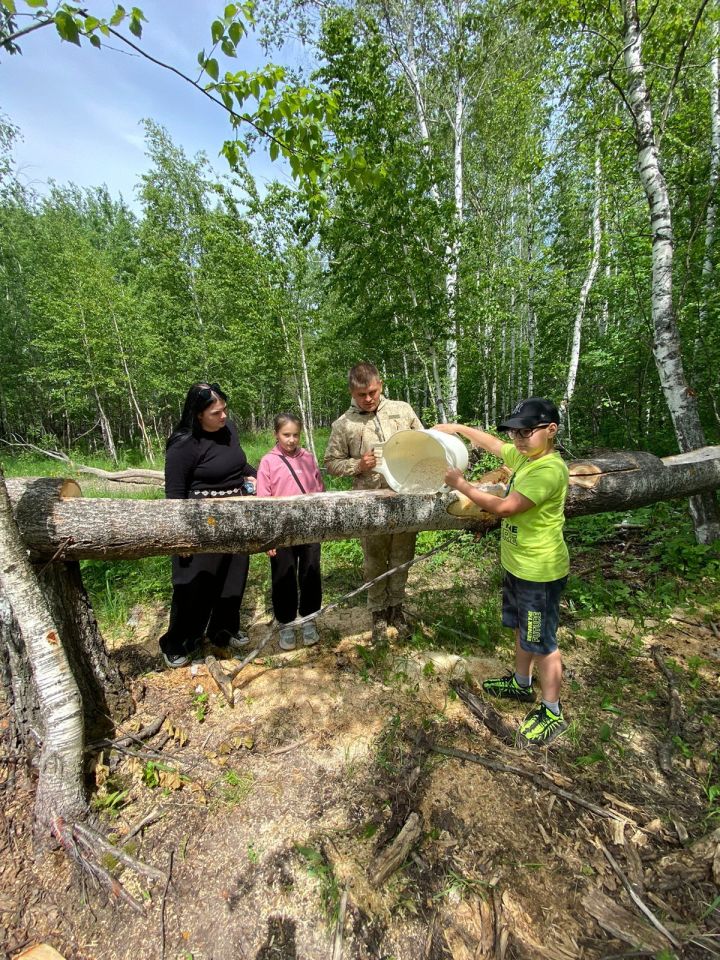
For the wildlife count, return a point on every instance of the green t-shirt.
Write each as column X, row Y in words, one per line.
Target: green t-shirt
column 532, row 545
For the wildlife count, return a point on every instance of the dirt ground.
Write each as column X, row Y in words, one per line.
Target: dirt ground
column 261, row 815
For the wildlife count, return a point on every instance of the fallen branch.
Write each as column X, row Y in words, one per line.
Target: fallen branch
column 128, row 739
column 676, row 713
column 290, row 746
column 339, row 926
column 539, row 781
column 162, row 906
column 152, row 817
column 485, row 713
column 636, row 899
column 622, row 924
column 396, row 853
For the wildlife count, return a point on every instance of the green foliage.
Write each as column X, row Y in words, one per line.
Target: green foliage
column 109, row 801
column 200, row 704
column 235, row 788
column 320, row 870
column 116, row 587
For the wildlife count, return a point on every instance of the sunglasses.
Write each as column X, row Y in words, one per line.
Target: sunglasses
column 206, row 393
column 526, row 432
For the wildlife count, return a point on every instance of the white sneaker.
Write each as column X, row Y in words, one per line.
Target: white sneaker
column 238, row 642
column 309, row 634
column 287, row 638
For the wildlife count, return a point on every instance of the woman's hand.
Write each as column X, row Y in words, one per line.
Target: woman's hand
column 272, row 553
column 446, row 427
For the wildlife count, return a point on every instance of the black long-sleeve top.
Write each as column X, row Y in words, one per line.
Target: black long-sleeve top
column 212, row 461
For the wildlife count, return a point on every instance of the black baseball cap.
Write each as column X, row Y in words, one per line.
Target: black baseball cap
column 531, row 413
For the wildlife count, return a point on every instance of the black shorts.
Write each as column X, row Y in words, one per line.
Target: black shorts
column 534, row 609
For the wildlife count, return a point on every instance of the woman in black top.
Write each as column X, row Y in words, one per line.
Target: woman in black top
column 204, row 460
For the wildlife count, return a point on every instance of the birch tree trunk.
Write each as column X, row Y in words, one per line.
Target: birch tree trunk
column 439, row 401
column 532, row 329
column 134, row 405
column 452, row 276
column 60, row 791
column 308, row 419
column 452, row 248
column 584, row 292
column 105, row 427
column 666, row 341
column 708, row 270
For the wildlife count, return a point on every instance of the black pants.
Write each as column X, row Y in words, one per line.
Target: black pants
column 207, row 593
column 296, row 572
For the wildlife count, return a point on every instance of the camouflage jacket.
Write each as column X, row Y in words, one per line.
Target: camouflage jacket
column 356, row 433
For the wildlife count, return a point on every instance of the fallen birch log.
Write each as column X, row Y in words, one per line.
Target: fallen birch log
column 56, row 524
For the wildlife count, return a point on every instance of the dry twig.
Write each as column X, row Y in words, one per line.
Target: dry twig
column 485, row 713
column 636, row 899
column 162, row 905
column 339, row 927
column 538, row 780
column 152, row 817
column 676, row 713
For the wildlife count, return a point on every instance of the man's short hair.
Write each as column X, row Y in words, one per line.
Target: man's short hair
column 362, row 375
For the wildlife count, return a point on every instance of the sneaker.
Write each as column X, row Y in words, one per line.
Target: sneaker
column 380, row 625
column 509, row 688
column 309, row 634
column 541, row 726
column 176, row 660
column 233, row 645
column 396, row 618
column 287, row 638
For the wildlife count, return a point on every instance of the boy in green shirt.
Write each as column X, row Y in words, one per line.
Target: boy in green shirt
column 533, row 554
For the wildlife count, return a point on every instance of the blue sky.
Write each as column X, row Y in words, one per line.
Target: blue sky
column 79, row 109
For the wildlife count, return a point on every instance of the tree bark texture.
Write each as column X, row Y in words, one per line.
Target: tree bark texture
column 60, row 787
column 17, row 684
column 78, row 528
column 103, row 690
column 679, row 397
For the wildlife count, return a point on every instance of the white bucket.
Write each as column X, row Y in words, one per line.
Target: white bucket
column 415, row 461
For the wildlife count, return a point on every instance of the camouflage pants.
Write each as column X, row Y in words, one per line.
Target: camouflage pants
column 383, row 553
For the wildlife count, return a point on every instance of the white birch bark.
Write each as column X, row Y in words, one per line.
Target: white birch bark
column 60, row 790
column 424, row 367
column 308, row 420
column 584, row 292
column 532, row 329
column 666, row 341
column 451, row 278
column 406, row 371
column 439, row 401
column 711, row 215
column 134, row 405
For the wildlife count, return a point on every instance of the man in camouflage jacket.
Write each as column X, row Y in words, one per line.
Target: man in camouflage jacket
column 370, row 420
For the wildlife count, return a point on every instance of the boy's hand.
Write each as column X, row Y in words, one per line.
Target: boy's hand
column 271, row 553
column 454, row 478
column 367, row 462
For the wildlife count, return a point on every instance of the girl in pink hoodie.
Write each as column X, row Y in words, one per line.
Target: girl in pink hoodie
column 288, row 471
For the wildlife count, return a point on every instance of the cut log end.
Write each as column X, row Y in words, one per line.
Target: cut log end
column 70, row 488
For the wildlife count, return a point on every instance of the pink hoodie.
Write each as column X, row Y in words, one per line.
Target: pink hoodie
column 275, row 480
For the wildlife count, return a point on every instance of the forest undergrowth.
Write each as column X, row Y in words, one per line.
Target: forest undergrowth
column 277, row 806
